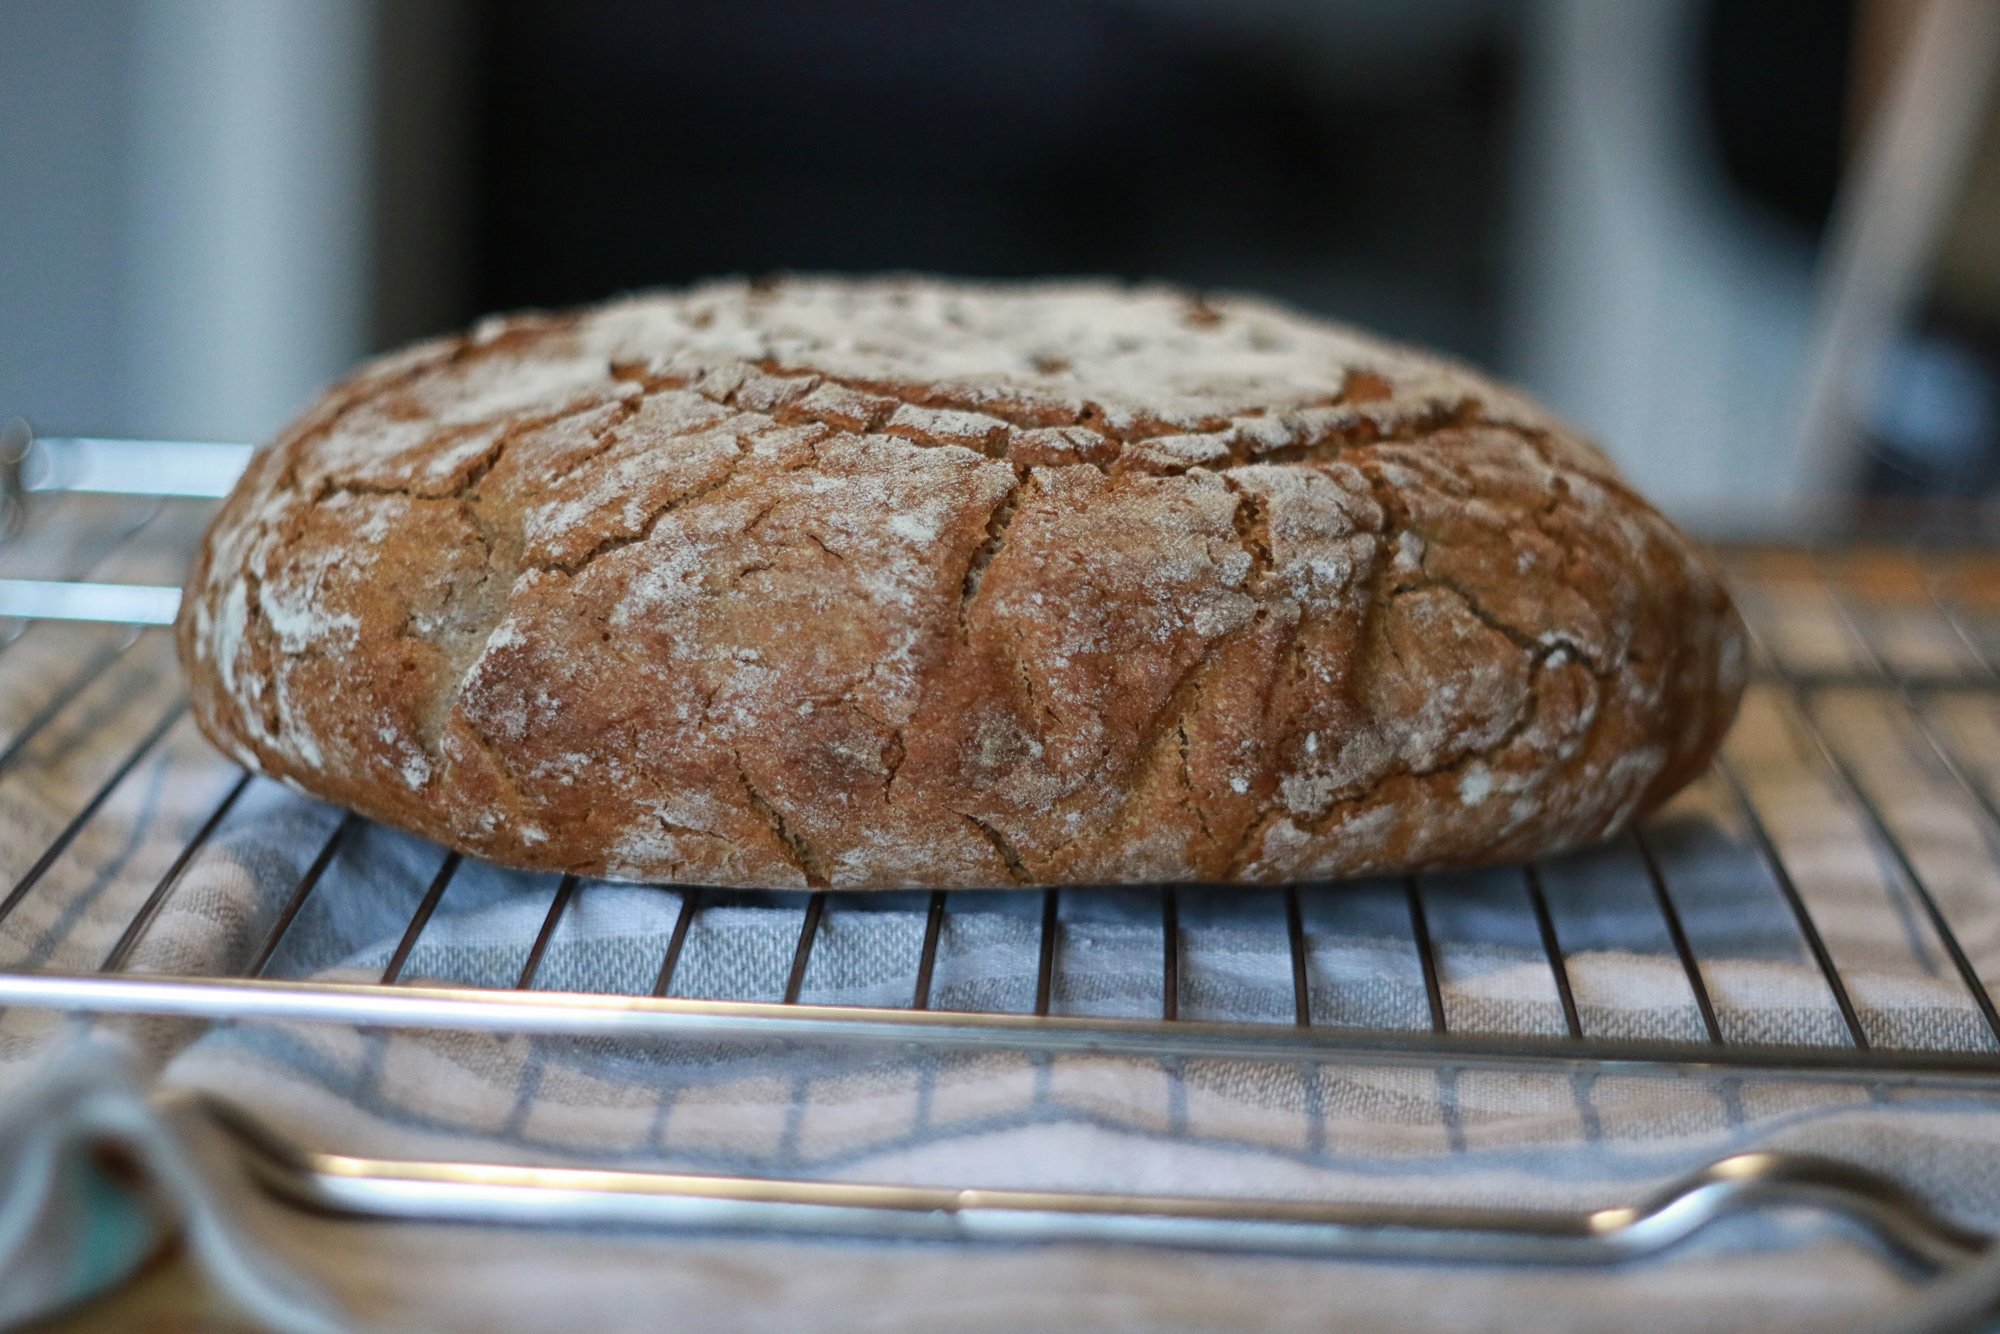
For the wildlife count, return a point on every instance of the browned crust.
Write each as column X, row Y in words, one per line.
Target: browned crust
column 748, row 620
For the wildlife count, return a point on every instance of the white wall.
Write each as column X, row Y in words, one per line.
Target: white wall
column 1645, row 307
column 192, row 259
column 64, row 112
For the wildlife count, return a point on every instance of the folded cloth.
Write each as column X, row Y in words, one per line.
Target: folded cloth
column 94, row 1181
column 1353, row 1127
column 76, row 1220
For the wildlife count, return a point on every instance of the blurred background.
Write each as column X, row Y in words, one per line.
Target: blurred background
column 1738, row 240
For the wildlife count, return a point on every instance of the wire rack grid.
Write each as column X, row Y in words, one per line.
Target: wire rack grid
column 1853, row 815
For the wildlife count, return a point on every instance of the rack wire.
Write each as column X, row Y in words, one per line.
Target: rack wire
column 1906, row 636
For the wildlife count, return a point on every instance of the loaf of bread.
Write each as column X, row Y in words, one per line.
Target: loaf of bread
column 911, row 583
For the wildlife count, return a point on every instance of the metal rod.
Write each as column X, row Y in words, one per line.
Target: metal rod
column 1045, row 966
column 1879, row 832
column 71, row 600
column 1801, row 915
column 1677, row 932
column 129, row 938
column 1949, row 611
column 927, row 960
column 507, row 1193
column 421, row 1006
column 196, row 469
column 1877, row 665
column 1295, row 937
column 1959, row 771
column 1170, row 953
column 1857, row 678
column 1420, row 932
column 300, row 891
column 1886, row 840
column 75, row 826
column 802, row 954
column 690, row 905
column 557, row 907
column 81, row 681
column 1941, row 749
column 1551, row 947
column 446, row 870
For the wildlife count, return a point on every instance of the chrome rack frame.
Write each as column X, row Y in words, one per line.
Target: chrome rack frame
column 462, row 1190
column 457, row 1192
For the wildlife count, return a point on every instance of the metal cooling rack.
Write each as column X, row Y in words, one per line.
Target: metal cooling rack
column 1913, row 628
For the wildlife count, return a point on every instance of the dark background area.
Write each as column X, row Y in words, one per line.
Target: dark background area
column 628, row 144
column 215, row 206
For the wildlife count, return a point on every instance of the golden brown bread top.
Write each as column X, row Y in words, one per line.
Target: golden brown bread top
column 903, row 582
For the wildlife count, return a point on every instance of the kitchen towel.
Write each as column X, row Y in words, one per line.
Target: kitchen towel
column 1349, row 1127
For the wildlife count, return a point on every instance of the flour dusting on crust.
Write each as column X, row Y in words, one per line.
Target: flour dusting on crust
column 902, row 582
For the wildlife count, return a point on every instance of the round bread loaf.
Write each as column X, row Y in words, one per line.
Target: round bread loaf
column 904, row 582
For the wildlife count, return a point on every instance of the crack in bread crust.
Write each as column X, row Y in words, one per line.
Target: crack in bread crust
column 799, row 852
column 996, row 533
column 1036, row 585
column 1010, row 856
column 645, row 529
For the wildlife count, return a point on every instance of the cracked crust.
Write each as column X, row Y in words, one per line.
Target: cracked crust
column 863, row 584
